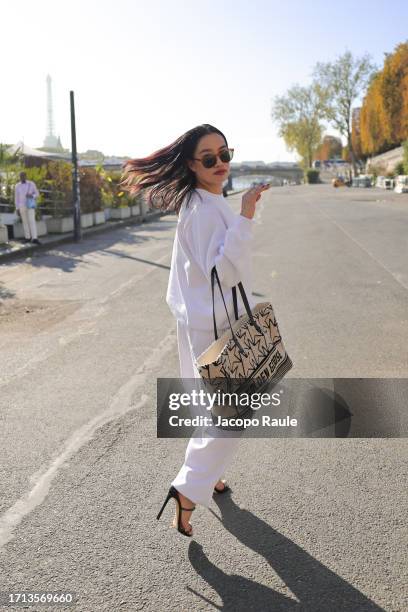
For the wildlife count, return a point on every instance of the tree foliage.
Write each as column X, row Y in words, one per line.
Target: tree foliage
column 344, row 80
column 384, row 113
column 405, row 157
column 297, row 115
column 330, row 147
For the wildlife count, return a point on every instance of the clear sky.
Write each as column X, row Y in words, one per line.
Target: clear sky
column 145, row 72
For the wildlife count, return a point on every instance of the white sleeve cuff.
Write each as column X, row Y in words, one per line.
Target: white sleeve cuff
column 245, row 225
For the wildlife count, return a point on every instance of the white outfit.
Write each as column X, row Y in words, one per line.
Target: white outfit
column 27, row 214
column 208, row 233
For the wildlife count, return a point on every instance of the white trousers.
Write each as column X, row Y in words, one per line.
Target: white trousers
column 28, row 219
column 209, row 450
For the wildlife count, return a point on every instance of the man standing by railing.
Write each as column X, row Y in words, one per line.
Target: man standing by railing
column 25, row 194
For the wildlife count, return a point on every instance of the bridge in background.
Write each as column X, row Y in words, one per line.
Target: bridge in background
column 282, row 171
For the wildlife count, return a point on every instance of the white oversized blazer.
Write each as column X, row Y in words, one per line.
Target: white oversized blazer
column 209, row 233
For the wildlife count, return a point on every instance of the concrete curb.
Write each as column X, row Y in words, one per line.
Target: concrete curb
column 49, row 242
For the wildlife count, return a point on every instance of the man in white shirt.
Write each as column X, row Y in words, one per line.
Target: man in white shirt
column 23, row 189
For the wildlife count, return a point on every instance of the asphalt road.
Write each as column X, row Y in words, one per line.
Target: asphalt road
column 311, row 524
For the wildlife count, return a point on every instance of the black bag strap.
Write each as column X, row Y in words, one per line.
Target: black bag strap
column 234, row 298
column 246, row 304
column 214, row 275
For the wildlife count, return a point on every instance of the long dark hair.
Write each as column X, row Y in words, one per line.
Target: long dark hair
column 165, row 173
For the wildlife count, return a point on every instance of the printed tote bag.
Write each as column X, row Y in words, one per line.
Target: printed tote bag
column 247, row 358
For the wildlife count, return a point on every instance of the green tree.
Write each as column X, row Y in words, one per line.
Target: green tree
column 5, row 156
column 297, row 115
column 405, row 156
column 344, row 80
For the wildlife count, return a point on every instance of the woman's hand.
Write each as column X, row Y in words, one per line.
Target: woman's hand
column 250, row 198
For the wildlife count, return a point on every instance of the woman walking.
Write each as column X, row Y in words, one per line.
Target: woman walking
column 187, row 177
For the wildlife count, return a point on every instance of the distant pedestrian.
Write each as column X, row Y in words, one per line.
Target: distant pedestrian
column 25, row 195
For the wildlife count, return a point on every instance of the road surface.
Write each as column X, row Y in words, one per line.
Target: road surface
column 311, row 524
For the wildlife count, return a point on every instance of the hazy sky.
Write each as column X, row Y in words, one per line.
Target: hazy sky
column 145, row 72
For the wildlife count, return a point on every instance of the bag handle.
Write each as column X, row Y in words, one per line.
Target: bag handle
column 214, row 274
column 246, row 304
column 234, row 299
column 247, row 307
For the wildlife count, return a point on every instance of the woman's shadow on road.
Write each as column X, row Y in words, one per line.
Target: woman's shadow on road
column 315, row 587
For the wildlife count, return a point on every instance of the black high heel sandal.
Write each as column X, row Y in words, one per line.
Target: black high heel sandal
column 174, row 493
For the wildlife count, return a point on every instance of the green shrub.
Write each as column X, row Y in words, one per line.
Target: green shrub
column 107, row 197
column 58, row 186
column 10, row 176
column 405, row 157
column 120, row 198
column 312, row 175
column 399, row 169
column 90, row 185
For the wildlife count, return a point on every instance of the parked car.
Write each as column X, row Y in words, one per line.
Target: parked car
column 384, row 182
column 363, row 180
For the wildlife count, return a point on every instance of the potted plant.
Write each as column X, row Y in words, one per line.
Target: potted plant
column 106, row 194
column 121, row 204
column 91, row 197
column 58, row 197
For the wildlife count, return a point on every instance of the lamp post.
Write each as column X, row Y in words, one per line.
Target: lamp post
column 75, row 176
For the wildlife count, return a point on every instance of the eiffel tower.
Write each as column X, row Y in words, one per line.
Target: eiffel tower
column 51, row 141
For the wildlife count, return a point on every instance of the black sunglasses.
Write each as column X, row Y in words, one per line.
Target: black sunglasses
column 209, row 161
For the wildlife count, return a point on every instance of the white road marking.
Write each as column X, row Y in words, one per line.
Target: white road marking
column 120, row 405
